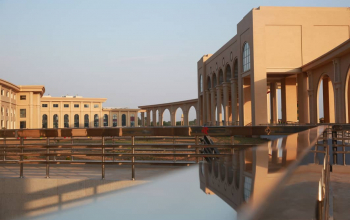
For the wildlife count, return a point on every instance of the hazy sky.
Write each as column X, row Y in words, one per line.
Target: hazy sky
column 130, row 52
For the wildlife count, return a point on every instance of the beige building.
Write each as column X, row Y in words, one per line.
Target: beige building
column 26, row 107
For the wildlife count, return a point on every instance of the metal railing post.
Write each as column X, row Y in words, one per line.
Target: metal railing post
column 174, row 148
column 113, row 141
column 21, row 158
column 343, row 143
column 133, row 158
column 103, row 158
column 334, row 148
column 197, row 150
column 47, row 158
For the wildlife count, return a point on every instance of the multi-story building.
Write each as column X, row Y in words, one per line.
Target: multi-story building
column 27, row 107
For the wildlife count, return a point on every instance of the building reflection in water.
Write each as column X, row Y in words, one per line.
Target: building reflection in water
column 250, row 179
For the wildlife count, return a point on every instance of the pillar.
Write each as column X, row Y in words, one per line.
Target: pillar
column 185, row 114
column 303, row 99
column 289, row 100
column 258, row 86
column 273, row 103
column 312, row 107
column 339, row 106
column 207, row 107
column 247, row 102
column 218, row 105
column 160, row 117
column 234, row 109
column 154, row 117
column 212, row 106
column 142, row 119
column 148, row 118
column 225, row 88
column 172, row 117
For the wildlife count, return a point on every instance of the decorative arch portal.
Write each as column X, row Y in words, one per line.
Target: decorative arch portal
column 86, row 121
column 66, row 121
column 347, row 96
column 44, row 121
column 76, row 121
column 179, row 117
column 123, row 120
column 105, row 120
column 192, row 116
column 166, row 117
column 55, row 121
column 96, row 121
column 221, row 77
column 115, row 120
column 325, row 100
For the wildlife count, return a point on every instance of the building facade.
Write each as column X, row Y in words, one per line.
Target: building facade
column 27, row 107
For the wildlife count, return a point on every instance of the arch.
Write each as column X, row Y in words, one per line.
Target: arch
column 246, row 57
column 44, row 121
column 55, row 121
column 76, row 121
column 208, row 83
column 179, row 117
column 192, row 116
column 214, row 80
column 166, row 117
column 235, row 69
column 132, row 120
column 86, row 121
column 157, row 118
column 105, row 120
column 200, row 83
column 115, row 120
column 96, row 121
column 219, row 123
column 221, row 77
column 150, row 118
column 123, row 120
column 325, row 100
column 228, row 73
column 66, row 121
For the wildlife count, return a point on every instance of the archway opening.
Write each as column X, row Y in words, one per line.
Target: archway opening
column 66, row 121
column 192, row 116
column 150, row 118
column 166, row 118
column 123, row 120
column 219, row 122
column 157, row 118
column 179, row 117
column 325, row 100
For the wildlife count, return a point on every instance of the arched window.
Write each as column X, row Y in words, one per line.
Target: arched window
column 96, row 121
column 55, row 121
column 246, row 57
column 208, row 83
column 66, row 121
column 214, row 80
column 200, row 83
column 221, row 77
column 105, row 120
column 115, row 120
column 76, row 121
column 44, row 121
column 123, row 120
column 132, row 120
column 235, row 69
column 86, row 121
column 228, row 73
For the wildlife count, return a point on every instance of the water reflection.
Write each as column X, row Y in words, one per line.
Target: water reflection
column 252, row 176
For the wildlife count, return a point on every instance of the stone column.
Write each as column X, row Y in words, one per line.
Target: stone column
column 148, row 118
column 312, row 109
column 339, row 106
column 218, row 105
column 234, row 90
column 289, row 100
column 303, row 99
column 212, row 106
column 207, row 107
column 142, row 119
column 225, row 87
column 154, row 117
column 160, row 117
column 185, row 114
column 172, row 118
column 273, row 102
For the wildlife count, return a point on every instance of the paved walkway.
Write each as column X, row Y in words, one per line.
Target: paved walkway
column 340, row 183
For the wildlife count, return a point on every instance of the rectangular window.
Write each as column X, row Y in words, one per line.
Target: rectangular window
column 76, row 105
column 22, row 113
column 96, row 106
column 23, row 97
column 2, row 92
column 66, row 105
column 44, row 105
column 55, row 105
column 8, row 94
column 86, row 105
column 22, row 124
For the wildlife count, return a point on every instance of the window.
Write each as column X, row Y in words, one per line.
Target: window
column 86, row 121
column 2, row 123
column 2, row 111
column 44, row 105
column 22, row 124
column 235, row 70
column 44, row 121
column 55, row 105
column 76, row 121
column 95, row 105
column 55, row 121
column 246, row 57
column 66, row 121
column 96, row 120
column 76, row 105
column 228, row 73
column 86, row 105
column 200, row 83
column 132, row 120
column 2, row 93
column 22, row 113
column 115, row 121
column 66, row 105
column 8, row 94
column 22, row 97
column 221, row 77
column 105, row 120
column 123, row 120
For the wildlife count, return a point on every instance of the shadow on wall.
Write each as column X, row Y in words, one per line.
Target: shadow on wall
column 35, row 198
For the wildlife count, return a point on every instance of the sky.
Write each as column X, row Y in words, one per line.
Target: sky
column 131, row 52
